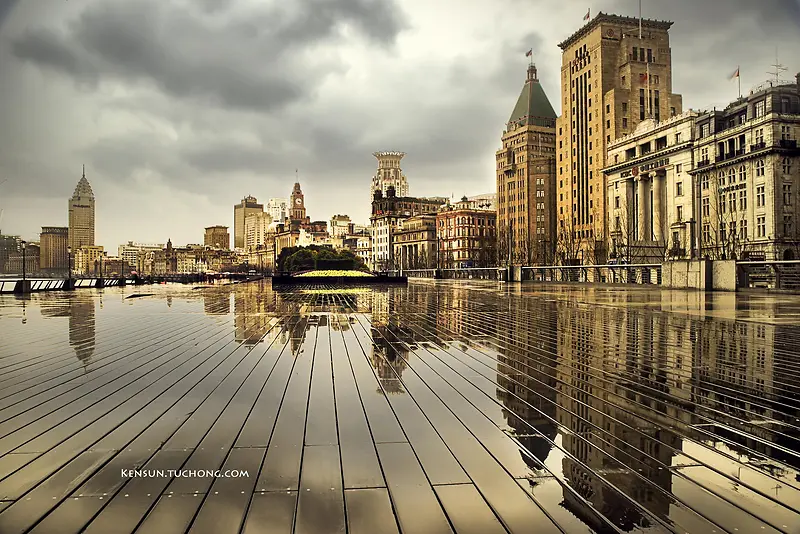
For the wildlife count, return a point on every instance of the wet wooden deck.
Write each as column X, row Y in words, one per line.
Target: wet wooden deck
column 449, row 407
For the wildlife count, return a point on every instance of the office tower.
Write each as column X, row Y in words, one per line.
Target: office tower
column 81, row 215
column 247, row 206
column 53, row 254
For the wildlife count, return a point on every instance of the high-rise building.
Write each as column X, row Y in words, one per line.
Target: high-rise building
column 81, row 215
column 278, row 209
column 9, row 245
column 615, row 72
column 53, row 255
column 247, row 206
column 526, row 188
column 389, row 174
column 85, row 259
column 256, row 226
column 219, row 237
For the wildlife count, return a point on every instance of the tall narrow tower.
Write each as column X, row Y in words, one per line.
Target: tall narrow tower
column 526, row 179
column 248, row 206
column 615, row 73
column 297, row 210
column 389, row 174
column 81, row 215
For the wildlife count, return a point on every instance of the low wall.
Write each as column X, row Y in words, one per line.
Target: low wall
column 342, row 281
column 705, row 275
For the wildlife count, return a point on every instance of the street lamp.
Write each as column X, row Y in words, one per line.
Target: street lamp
column 69, row 267
column 23, row 264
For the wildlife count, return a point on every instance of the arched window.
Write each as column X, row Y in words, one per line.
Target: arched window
column 787, row 166
column 731, row 176
column 742, row 173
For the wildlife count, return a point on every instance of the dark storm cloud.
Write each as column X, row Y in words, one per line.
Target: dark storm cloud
column 254, row 61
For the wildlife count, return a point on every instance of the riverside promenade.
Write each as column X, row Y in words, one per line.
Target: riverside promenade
column 444, row 406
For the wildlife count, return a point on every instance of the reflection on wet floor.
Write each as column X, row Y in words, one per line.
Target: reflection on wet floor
column 447, row 406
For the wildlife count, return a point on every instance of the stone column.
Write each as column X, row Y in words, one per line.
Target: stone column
column 641, row 212
column 659, row 217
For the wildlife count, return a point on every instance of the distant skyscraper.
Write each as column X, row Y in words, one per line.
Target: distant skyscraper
column 81, row 215
column 389, row 174
column 53, row 253
column 218, row 237
column 247, row 206
column 278, row 209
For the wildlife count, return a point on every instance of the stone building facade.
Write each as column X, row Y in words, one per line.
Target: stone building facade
column 466, row 235
column 747, row 176
column 615, row 72
column 526, row 173
column 650, row 194
column 415, row 242
column 53, row 255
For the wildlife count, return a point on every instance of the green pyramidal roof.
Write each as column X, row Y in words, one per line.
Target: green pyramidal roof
column 532, row 101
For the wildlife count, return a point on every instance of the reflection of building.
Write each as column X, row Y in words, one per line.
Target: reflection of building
column 217, row 237
column 526, row 174
column 650, row 191
column 81, row 215
column 217, row 301
column 611, row 79
column 53, row 248
column 253, row 313
column 247, row 206
column 389, row 356
column 82, row 326
column 389, row 174
column 466, row 235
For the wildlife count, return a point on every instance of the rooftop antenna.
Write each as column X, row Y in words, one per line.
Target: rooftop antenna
column 779, row 68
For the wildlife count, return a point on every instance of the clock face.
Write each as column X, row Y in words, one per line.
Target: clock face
column 298, row 201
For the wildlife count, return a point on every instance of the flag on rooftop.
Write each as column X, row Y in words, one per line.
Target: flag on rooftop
column 735, row 73
column 588, row 11
column 529, row 53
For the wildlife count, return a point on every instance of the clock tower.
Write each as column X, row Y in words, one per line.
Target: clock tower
column 298, row 208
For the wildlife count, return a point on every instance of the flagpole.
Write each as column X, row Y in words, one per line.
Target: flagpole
column 739, row 79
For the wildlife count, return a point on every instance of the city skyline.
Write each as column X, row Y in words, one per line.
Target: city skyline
column 146, row 144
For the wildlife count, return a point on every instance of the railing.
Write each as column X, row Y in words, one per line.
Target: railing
column 466, row 273
column 783, row 274
column 599, row 274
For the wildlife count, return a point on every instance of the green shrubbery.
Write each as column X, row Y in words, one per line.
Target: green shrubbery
column 315, row 257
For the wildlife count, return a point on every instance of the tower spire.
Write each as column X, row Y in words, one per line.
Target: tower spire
column 84, row 171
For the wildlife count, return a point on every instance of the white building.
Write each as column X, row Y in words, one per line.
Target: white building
column 364, row 249
column 131, row 251
column 278, row 209
column 487, row 201
column 649, row 197
column 256, row 226
column 389, row 174
column 748, row 175
column 339, row 225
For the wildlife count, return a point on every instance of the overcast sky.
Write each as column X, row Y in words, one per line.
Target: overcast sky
column 179, row 108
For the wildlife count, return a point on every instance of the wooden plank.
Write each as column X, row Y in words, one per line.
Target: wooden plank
column 271, row 513
column 468, row 511
column 172, row 513
column 369, row 511
column 321, row 422
column 320, row 506
column 415, row 503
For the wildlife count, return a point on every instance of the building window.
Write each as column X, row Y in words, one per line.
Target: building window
column 706, row 233
column 616, row 202
column 624, row 122
column 760, row 167
column 680, row 213
column 635, row 54
column 678, row 168
column 761, row 226
column 787, row 225
column 704, row 181
column 705, row 130
column 742, row 173
column 742, row 200
column 732, row 201
column 761, row 108
column 787, row 194
column 731, row 176
column 760, row 196
column 624, row 107
column 706, row 207
column 649, row 55
column 641, row 104
column 655, row 79
column 672, row 112
column 759, row 136
column 787, row 166
column 679, row 189
column 743, row 229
